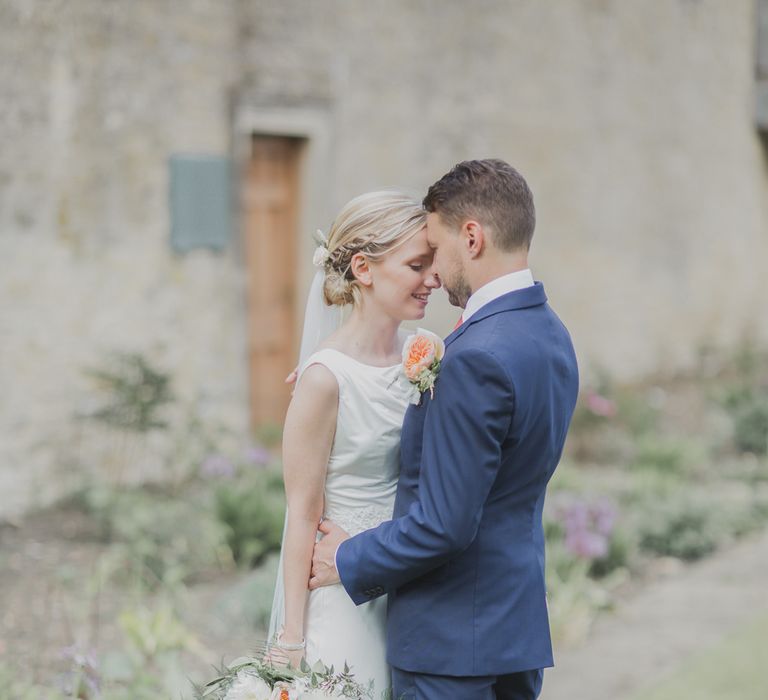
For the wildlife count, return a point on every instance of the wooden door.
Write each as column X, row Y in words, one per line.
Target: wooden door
column 271, row 219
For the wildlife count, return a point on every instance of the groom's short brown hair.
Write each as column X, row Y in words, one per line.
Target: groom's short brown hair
column 490, row 191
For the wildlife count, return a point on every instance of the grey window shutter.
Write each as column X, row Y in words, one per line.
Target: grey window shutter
column 761, row 101
column 200, row 201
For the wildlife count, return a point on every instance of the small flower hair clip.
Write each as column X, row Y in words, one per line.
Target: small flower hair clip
column 320, row 258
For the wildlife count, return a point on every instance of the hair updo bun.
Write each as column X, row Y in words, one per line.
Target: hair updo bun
column 337, row 290
column 372, row 224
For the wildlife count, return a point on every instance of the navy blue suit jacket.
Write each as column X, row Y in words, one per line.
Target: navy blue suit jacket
column 463, row 559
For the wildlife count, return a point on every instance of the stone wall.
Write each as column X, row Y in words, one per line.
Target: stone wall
column 633, row 122
column 94, row 97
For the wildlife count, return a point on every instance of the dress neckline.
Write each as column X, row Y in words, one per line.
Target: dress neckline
column 362, row 364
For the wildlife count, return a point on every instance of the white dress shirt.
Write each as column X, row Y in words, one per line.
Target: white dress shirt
column 496, row 288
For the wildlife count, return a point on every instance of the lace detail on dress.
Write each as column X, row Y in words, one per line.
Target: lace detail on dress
column 356, row 520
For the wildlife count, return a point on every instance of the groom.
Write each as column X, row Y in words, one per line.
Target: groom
column 463, row 559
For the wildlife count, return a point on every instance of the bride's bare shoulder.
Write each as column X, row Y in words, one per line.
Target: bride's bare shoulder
column 316, row 394
column 318, row 378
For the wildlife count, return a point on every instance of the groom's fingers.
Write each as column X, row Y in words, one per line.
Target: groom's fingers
column 320, row 580
column 328, row 526
column 316, row 582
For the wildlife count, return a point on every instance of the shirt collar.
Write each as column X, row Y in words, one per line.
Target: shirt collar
column 496, row 288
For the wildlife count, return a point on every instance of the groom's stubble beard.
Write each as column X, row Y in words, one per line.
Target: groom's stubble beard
column 457, row 288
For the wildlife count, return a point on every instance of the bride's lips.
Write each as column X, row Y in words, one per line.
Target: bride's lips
column 421, row 298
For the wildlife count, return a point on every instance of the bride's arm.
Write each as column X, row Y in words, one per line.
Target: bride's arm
column 308, row 435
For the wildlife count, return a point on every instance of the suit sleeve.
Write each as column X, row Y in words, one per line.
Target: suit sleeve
column 464, row 430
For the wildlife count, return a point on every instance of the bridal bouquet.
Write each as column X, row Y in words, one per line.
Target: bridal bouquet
column 249, row 678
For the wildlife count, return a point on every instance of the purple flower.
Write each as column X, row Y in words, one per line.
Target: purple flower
column 604, row 515
column 82, row 681
column 83, row 659
column 588, row 526
column 258, row 455
column 586, row 544
column 217, row 466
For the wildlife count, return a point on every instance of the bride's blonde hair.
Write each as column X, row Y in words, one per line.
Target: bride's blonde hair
column 373, row 224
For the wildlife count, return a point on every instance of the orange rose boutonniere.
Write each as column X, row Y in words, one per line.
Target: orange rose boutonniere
column 422, row 354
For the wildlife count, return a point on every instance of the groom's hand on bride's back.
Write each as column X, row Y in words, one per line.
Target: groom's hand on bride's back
column 324, row 557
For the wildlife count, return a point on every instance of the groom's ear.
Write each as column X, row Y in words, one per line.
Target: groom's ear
column 473, row 238
column 361, row 269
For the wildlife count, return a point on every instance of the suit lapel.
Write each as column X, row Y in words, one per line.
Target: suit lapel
column 519, row 299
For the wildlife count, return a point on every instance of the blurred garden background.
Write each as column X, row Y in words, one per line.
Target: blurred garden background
column 163, row 165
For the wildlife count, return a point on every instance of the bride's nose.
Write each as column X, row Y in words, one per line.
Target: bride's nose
column 433, row 281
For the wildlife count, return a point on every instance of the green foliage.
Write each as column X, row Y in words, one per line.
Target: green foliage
column 638, row 409
column 153, row 632
column 743, row 521
column 317, row 679
column 746, row 401
column 680, row 528
column 157, row 539
column 150, row 664
column 621, row 550
column 253, row 510
column 750, row 421
column 666, row 455
column 574, row 598
column 645, row 484
column 136, row 393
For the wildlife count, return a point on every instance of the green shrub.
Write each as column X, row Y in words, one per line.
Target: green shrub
column 750, row 423
column 253, row 511
column 574, row 598
column 136, row 393
column 665, row 455
column 747, row 401
column 620, row 552
column 645, row 484
column 150, row 663
column 638, row 409
column 680, row 528
column 156, row 538
column 749, row 518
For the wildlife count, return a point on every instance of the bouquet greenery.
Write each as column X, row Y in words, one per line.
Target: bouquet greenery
column 257, row 678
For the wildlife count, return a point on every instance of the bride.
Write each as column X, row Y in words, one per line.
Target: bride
column 342, row 430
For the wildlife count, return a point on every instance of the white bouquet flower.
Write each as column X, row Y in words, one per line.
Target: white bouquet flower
column 248, row 686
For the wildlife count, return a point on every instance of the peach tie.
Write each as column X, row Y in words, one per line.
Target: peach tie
column 459, row 322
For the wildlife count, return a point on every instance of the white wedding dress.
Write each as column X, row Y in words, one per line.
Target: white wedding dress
column 359, row 494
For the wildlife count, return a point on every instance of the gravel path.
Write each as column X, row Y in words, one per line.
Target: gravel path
column 649, row 635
